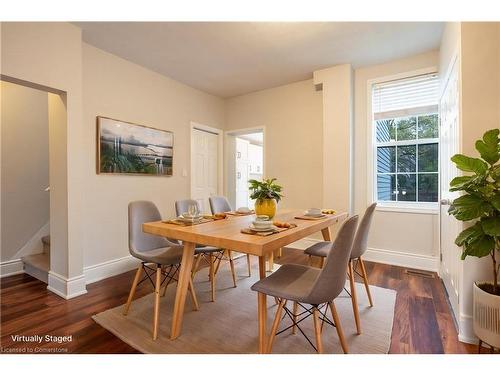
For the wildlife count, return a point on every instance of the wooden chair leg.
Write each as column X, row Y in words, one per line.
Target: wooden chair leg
column 132, row 289
column 309, row 260
column 280, row 252
column 167, row 284
column 192, row 292
column 212, row 274
column 340, row 332
column 294, row 318
column 219, row 262
column 249, row 265
column 317, row 330
column 276, row 323
column 196, row 265
column 365, row 280
column 231, row 263
column 354, row 299
column 322, row 262
column 156, row 316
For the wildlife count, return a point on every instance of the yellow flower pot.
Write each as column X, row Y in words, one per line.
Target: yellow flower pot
column 266, row 207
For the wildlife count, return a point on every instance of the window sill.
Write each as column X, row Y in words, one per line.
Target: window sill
column 432, row 209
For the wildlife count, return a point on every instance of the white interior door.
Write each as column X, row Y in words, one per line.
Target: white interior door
column 205, row 157
column 449, row 109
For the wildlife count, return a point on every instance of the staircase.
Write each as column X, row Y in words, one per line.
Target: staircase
column 38, row 265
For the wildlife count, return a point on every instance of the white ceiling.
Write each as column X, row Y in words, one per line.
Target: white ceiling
column 229, row 58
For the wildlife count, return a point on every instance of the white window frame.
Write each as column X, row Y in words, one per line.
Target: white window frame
column 410, row 207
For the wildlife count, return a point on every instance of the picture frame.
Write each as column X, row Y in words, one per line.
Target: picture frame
column 131, row 149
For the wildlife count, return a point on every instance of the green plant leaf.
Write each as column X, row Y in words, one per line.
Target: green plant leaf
column 479, row 248
column 491, row 226
column 460, row 183
column 468, row 164
column 488, row 146
column 469, row 235
column 495, row 201
column 468, row 207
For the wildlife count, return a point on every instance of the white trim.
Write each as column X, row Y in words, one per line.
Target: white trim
column 11, row 268
column 398, row 258
column 109, row 268
column 466, row 331
column 34, row 244
column 220, row 154
column 420, row 208
column 371, row 157
column 66, row 287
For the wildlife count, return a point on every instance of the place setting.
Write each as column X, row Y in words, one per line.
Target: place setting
column 193, row 217
column 242, row 211
column 315, row 214
column 264, row 226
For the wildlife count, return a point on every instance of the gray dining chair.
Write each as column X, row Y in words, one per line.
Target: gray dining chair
column 360, row 245
column 310, row 286
column 157, row 255
column 219, row 204
column 211, row 255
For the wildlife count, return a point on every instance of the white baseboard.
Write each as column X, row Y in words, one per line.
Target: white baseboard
column 66, row 287
column 397, row 258
column 11, row 267
column 466, row 331
column 110, row 268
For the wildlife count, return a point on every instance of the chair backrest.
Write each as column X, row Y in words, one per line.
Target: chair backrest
column 331, row 280
column 182, row 206
column 140, row 212
column 219, row 204
column 361, row 240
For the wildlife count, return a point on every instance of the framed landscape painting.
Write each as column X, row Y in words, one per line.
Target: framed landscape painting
column 126, row 148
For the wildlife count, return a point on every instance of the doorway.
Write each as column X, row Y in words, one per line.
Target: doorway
column 206, row 163
column 245, row 161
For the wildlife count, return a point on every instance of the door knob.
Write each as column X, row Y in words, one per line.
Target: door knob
column 445, row 202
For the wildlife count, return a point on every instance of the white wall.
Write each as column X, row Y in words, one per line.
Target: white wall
column 25, row 166
column 292, row 116
column 401, row 232
column 119, row 89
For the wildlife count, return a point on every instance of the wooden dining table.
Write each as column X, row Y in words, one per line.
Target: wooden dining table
column 226, row 234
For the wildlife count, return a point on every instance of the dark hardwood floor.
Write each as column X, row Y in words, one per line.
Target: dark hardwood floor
column 422, row 321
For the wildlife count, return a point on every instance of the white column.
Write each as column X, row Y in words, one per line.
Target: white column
column 337, row 86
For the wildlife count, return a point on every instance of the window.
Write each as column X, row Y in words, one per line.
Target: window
column 406, row 135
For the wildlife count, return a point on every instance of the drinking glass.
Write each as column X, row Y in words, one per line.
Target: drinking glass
column 193, row 210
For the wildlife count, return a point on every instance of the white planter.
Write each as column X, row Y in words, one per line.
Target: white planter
column 486, row 316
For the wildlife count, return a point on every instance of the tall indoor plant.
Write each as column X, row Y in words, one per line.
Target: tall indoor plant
column 481, row 203
column 267, row 194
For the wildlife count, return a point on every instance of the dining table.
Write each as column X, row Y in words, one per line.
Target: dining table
column 227, row 234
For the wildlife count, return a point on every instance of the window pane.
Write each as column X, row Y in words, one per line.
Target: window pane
column 406, row 128
column 386, row 159
column 428, row 126
column 386, row 186
column 428, row 157
column 407, row 187
column 407, row 158
column 386, row 130
column 428, row 187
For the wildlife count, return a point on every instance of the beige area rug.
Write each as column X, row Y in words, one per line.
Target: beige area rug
column 229, row 325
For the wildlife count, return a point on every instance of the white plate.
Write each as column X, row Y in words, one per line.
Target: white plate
column 269, row 229
column 313, row 215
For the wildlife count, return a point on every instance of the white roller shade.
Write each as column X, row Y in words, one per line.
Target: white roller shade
column 403, row 94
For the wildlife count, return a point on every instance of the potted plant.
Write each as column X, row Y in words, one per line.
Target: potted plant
column 481, row 203
column 267, row 194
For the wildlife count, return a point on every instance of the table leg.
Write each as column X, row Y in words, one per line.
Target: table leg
column 262, row 303
column 182, row 287
column 326, row 234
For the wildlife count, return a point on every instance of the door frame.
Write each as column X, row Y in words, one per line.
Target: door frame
column 453, row 300
column 235, row 133
column 220, row 154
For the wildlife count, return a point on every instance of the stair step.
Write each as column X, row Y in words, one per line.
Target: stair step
column 37, row 265
column 46, row 240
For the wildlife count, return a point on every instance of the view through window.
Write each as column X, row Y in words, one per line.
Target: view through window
column 405, row 120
